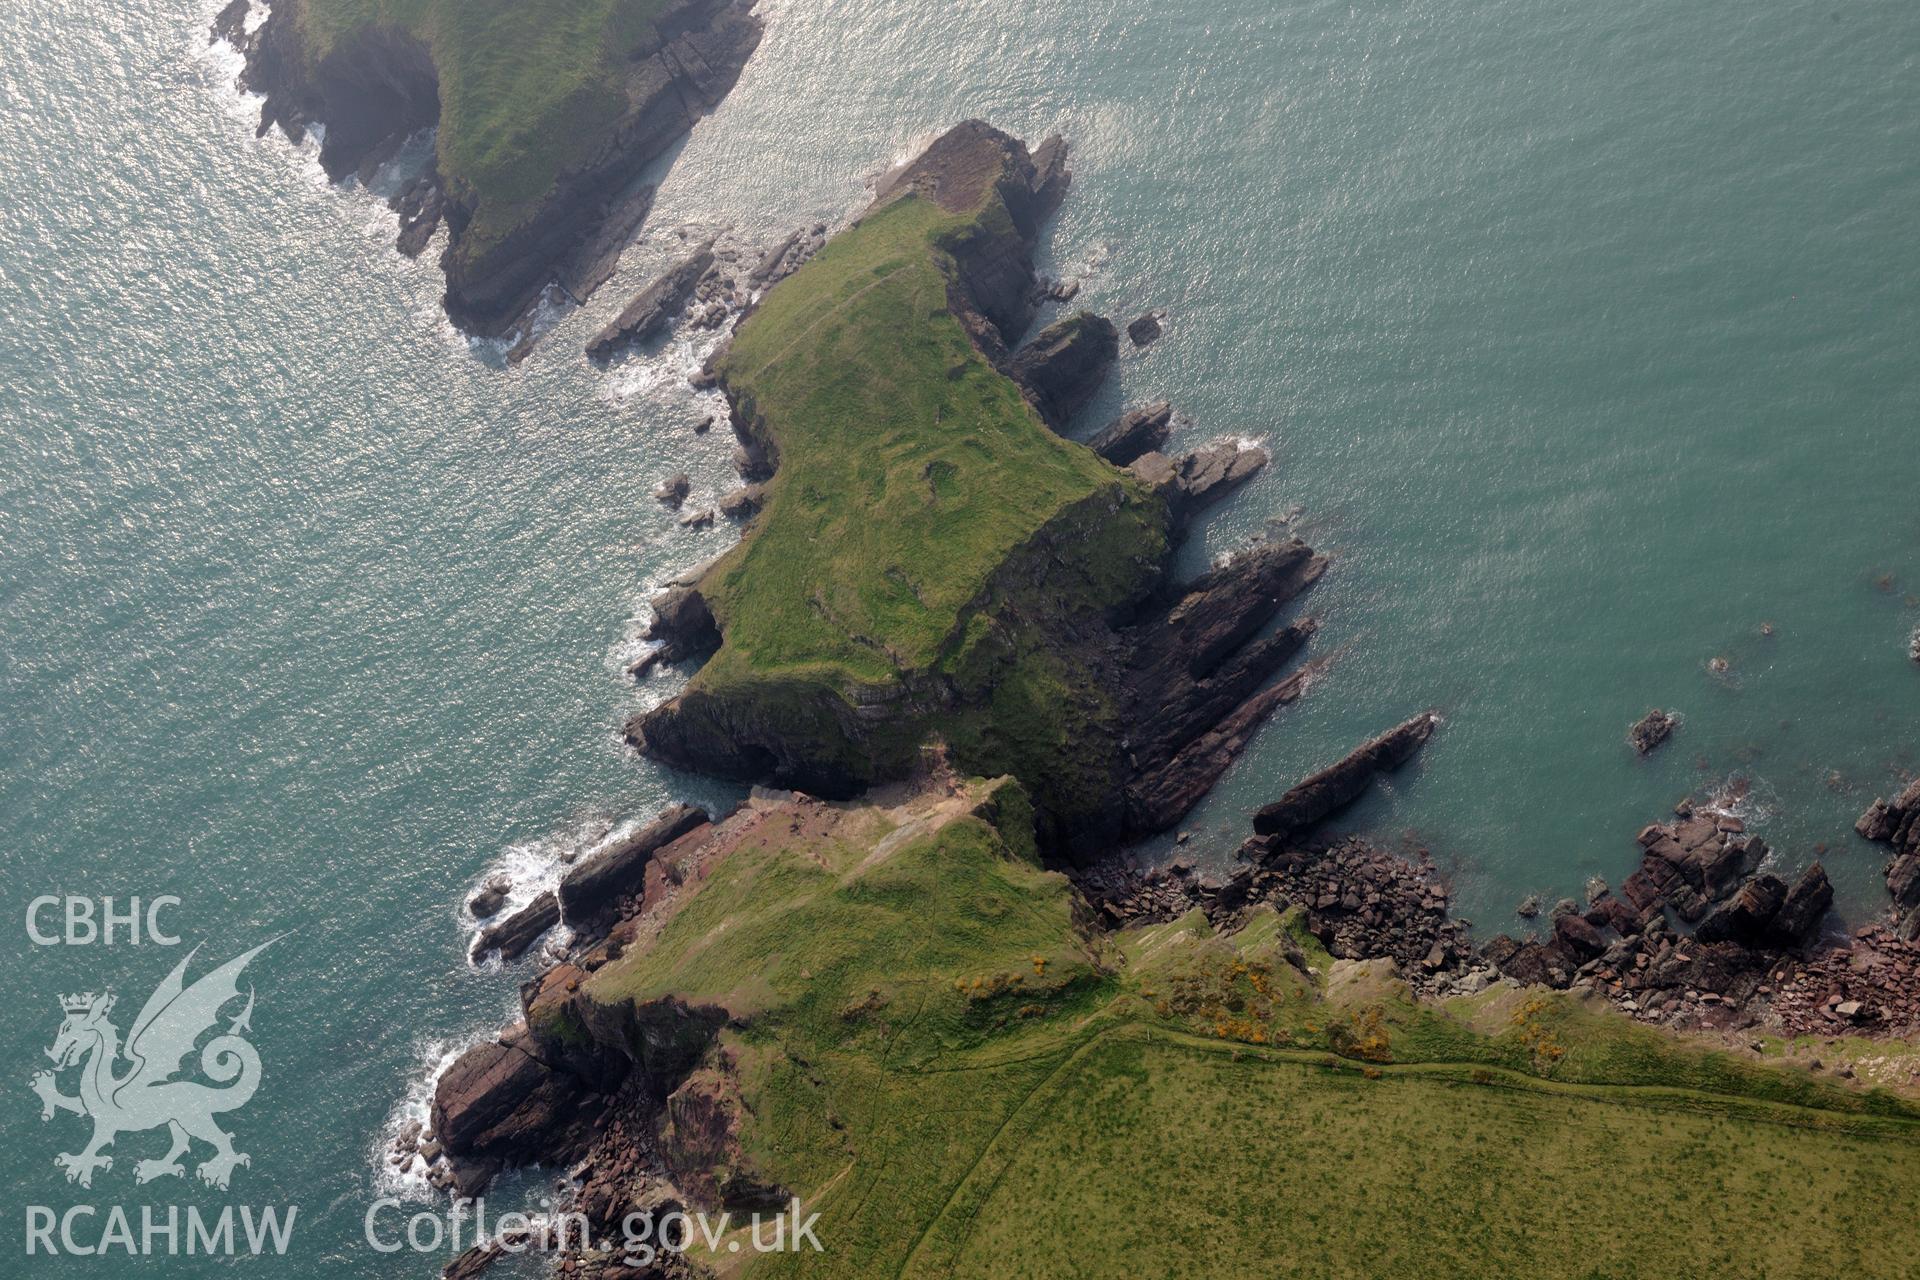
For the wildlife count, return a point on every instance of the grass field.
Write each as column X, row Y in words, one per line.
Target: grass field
column 1153, row 1155
column 965, row 1083
column 528, row 88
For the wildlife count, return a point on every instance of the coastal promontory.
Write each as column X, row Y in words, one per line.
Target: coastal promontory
column 546, row 115
column 935, row 563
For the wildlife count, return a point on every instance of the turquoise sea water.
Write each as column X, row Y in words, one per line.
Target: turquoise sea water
column 1587, row 336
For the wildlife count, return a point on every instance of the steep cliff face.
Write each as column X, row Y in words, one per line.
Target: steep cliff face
column 369, row 92
column 685, row 72
column 375, row 84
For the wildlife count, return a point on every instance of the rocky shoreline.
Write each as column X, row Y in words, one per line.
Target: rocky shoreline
column 636, row 1098
column 1697, row 938
column 380, row 87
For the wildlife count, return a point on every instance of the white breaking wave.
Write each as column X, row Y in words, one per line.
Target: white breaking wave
column 412, row 1113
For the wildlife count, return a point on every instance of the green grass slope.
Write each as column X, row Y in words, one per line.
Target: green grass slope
column 909, row 467
column 528, row 88
column 932, row 1052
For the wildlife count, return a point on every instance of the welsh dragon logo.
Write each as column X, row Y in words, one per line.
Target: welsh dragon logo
column 144, row 1094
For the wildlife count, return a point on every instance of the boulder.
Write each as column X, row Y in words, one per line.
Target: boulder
column 1534, row 964
column 1578, row 939
column 1499, row 949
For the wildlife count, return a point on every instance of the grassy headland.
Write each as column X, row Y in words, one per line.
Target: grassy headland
column 528, row 90
column 910, row 467
column 930, row 1049
column 923, row 540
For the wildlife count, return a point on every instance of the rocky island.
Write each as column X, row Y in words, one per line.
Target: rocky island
column 917, row 982
column 537, row 162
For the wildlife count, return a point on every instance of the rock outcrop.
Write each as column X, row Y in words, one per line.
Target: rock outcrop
column 512, row 936
column 594, row 885
column 1195, row 677
column 993, row 293
column 1195, row 481
column 1691, row 864
column 378, row 85
column 1651, row 730
column 1756, row 941
column 682, row 626
column 1897, row 823
column 501, row 1104
column 787, row 256
column 654, row 307
column 1340, row 784
column 1144, row 330
column 1747, row 917
column 1065, row 364
column 1134, row 433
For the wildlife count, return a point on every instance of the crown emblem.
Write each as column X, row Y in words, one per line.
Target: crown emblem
column 85, row 1002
